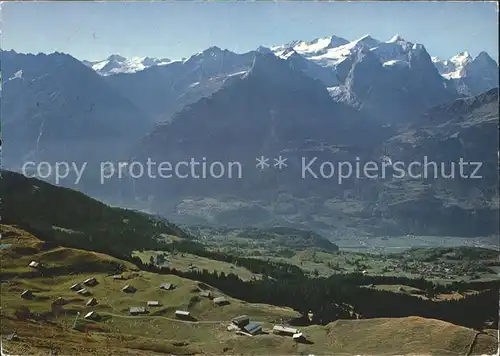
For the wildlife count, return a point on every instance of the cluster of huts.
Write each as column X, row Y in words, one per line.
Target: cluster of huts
column 244, row 326
column 128, row 288
column 241, row 323
column 79, row 288
column 180, row 314
column 138, row 310
column 219, row 301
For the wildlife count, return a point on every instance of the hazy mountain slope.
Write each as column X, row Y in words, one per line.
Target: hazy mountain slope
column 55, row 108
column 272, row 104
column 161, row 91
column 466, row 129
column 392, row 204
column 273, row 109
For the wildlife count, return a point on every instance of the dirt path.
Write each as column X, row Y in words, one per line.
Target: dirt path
column 472, row 343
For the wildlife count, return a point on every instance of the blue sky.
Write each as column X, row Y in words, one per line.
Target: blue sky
column 94, row 30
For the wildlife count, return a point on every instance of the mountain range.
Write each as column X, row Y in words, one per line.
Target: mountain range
column 331, row 51
column 368, row 74
column 330, row 98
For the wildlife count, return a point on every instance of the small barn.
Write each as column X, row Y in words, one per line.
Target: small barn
column 27, row 294
column 167, row 286
column 220, row 301
column 91, row 302
column 252, row 328
column 91, row 316
column 182, row 314
column 153, row 303
column 76, row 286
column 129, row 289
column 285, row 330
column 34, row 264
column 90, row 282
column 137, row 310
column 206, row 294
column 299, row 337
column 83, row 291
column 241, row 321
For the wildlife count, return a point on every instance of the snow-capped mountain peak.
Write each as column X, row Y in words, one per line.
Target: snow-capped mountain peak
column 317, row 46
column 461, row 58
column 470, row 75
column 396, row 38
column 333, row 56
column 116, row 63
column 286, row 53
column 454, row 67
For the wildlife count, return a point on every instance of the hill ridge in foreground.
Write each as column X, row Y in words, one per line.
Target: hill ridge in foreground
column 43, row 329
column 70, row 216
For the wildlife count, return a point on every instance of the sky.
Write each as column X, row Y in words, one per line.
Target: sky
column 94, row 30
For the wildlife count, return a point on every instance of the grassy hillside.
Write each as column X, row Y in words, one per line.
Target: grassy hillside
column 116, row 333
column 412, row 335
column 65, row 215
column 187, row 261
